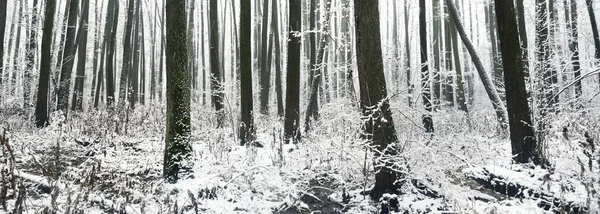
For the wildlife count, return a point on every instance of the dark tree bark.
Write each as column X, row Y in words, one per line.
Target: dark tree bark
column 77, row 103
column 449, row 81
column 460, row 89
column 247, row 131
column 437, row 39
column 574, row 47
column 68, row 59
column 41, row 107
column 127, row 55
column 292, row 98
column 483, row 75
column 31, row 49
column 425, row 81
column 277, row 41
column 134, row 71
column 523, row 36
column 265, row 73
column 178, row 127
column 3, row 5
column 407, row 53
column 97, row 48
column 378, row 125
column 522, row 134
column 215, row 69
column 592, row 15
column 111, row 48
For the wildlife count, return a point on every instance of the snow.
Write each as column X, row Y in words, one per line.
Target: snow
column 228, row 178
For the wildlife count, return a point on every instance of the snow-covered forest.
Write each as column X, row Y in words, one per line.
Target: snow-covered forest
column 299, row 106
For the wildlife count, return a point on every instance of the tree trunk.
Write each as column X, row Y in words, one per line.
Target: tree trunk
column 215, row 69
column 68, row 59
column 523, row 36
column 425, row 82
column 247, row 131
column 449, row 82
column 574, row 46
column 265, row 73
column 3, row 5
column 407, row 53
column 111, row 48
column 178, row 128
column 522, row 135
column 483, row 74
column 31, row 50
column 437, row 25
column 41, row 107
column 460, row 89
column 590, row 8
column 127, row 55
column 379, row 129
column 292, row 98
column 77, row 103
column 277, row 41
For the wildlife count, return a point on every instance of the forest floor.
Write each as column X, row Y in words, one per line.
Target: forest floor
column 85, row 166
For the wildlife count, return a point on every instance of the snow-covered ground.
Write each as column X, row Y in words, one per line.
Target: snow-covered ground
column 85, row 166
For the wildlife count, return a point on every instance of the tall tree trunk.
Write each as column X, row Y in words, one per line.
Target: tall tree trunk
column 460, row 89
column 135, row 63
column 483, row 74
column 277, row 41
column 523, row 36
column 543, row 67
column 3, row 5
column 592, row 15
column 265, row 73
column 407, row 53
column 127, row 55
column 495, row 57
column 178, row 128
column 437, row 35
column 97, row 43
column 292, row 98
column 449, row 82
column 215, row 69
column 522, row 135
column 425, row 81
column 379, row 130
column 68, row 59
column 111, row 52
column 41, row 107
column 31, row 50
column 77, row 103
column 247, row 131
column 574, row 46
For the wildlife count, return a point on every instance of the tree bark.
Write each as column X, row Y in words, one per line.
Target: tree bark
column 277, row 41
column 3, row 5
column 178, row 127
column 425, row 81
column 522, row 134
column 574, row 47
column 127, row 55
column 592, row 15
column 215, row 66
column 246, row 129
column 378, row 125
column 41, row 107
column 265, row 73
column 31, row 50
column 68, row 59
column 292, row 98
column 111, row 48
column 77, row 103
